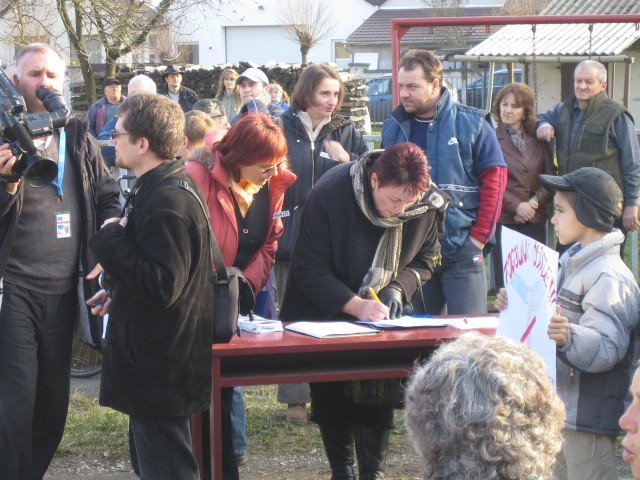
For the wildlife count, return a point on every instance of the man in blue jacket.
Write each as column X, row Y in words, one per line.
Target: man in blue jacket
column 103, row 110
column 467, row 164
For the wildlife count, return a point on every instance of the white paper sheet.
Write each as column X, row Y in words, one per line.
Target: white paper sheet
column 330, row 329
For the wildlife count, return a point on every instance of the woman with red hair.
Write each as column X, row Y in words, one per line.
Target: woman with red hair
column 244, row 189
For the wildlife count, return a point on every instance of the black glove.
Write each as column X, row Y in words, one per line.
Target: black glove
column 391, row 296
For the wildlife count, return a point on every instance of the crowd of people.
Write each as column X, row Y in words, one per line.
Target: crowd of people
column 310, row 216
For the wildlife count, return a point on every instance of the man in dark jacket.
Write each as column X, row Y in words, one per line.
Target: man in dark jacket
column 43, row 237
column 594, row 131
column 173, row 88
column 157, row 360
column 101, row 111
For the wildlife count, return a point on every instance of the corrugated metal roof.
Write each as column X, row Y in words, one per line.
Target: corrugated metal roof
column 566, row 39
column 560, row 39
column 376, row 30
column 591, row 7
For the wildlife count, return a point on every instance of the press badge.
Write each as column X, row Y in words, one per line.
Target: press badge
column 63, row 225
column 284, row 213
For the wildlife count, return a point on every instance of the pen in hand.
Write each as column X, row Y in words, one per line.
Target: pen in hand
column 377, row 299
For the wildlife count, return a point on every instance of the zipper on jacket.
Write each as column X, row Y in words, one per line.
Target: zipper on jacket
column 313, row 164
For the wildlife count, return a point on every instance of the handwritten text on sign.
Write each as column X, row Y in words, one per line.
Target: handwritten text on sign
column 530, row 277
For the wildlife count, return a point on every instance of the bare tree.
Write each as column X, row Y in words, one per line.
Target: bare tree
column 523, row 7
column 454, row 37
column 117, row 26
column 308, row 22
column 27, row 21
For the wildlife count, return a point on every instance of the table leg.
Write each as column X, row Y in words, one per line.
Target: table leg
column 215, row 426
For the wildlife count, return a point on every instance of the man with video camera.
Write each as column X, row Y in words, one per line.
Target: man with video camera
column 44, row 231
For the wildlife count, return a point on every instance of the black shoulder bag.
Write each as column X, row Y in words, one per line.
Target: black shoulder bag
column 232, row 294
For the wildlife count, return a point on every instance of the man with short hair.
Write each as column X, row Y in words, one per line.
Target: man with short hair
column 173, row 88
column 591, row 130
column 157, row 362
column 101, row 111
column 466, row 162
column 254, row 93
column 44, row 234
column 139, row 84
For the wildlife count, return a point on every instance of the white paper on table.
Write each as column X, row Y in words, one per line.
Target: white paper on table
column 406, row 322
column 530, row 274
column 467, row 323
column 330, row 329
column 259, row 325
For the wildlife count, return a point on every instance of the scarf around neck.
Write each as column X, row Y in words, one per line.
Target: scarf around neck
column 384, row 265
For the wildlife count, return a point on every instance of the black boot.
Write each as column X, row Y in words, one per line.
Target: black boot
column 338, row 444
column 371, row 450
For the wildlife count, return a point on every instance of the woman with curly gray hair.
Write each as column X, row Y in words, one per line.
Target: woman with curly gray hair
column 484, row 408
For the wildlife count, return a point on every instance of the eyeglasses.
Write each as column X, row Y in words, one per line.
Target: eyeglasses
column 115, row 134
column 272, row 167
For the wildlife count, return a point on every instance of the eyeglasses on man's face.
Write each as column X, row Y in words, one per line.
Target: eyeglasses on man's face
column 115, row 134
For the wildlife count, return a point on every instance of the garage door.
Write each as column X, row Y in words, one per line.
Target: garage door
column 260, row 45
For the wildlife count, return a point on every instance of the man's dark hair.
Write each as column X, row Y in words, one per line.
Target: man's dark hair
column 425, row 59
column 311, row 77
column 156, row 118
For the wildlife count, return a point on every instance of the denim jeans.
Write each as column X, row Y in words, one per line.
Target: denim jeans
column 238, row 422
column 458, row 286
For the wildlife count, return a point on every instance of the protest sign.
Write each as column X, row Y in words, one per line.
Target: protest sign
column 530, row 275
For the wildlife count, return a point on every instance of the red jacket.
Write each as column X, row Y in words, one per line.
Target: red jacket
column 215, row 188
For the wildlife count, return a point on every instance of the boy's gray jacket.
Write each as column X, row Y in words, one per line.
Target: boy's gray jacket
column 600, row 296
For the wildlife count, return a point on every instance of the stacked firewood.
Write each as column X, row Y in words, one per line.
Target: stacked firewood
column 204, row 80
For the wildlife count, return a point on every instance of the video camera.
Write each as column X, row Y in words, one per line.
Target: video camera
column 19, row 128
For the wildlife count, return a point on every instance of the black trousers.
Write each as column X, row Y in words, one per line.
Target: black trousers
column 163, row 449
column 36, row 331
column 331, row 404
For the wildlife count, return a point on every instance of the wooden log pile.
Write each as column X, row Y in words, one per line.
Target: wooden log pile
column 204, row 80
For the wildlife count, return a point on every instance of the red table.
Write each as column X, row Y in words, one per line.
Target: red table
column 289, row 357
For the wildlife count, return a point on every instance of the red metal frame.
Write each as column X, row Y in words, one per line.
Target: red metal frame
column 400, row 26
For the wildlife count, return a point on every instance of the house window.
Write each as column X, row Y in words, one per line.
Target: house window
column 28, row 39
column 341, row 55
column 93, row 47
column 188, row 53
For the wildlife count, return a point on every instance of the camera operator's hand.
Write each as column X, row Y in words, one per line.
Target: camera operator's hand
column 100, row 303
column 97, row 270
column 391, row 296
column 122, row 221
column 6, row 163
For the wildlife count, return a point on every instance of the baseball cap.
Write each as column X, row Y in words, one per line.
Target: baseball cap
column 253, row 74
column 213, row 108
column 111, row 81
column 598, row 200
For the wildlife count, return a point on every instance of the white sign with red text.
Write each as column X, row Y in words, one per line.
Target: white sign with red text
column 530, row 275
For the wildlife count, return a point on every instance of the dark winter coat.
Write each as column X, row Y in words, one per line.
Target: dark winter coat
column 186, row 99
column 309, row 162
column 336, row 245
column 157, row 359
column 97, row 190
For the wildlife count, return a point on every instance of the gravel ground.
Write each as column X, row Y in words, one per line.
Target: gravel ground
column 403, row 465
column 312, row 466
